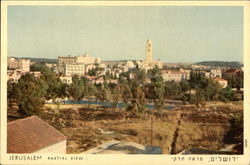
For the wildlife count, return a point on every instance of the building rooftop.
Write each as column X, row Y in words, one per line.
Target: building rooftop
column 232, row 71
column 173, row 72
column 31, row 134
column 119, row 147
column 219, row 79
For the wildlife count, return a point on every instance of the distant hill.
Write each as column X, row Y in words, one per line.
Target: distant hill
column 46, row 60
column 233, row 64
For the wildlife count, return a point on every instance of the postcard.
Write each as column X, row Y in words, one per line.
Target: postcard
column 127, row 82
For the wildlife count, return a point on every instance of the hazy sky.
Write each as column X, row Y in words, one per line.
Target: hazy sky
column 178, row 34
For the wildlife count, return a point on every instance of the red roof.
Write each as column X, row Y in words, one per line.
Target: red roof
column 31, row 134
column 232, row 71
column 219, row 79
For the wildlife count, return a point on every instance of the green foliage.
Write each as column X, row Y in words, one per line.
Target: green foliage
column 185, row 97
column 153, row 72
column 235, row 133
column 38, row 66
column 227, row 94
column 211, row 90
column 236, row 81
column 56, row 89
column 116, row 93
column 172, row 89
column 158, row 90
column 76, row 88
column 124, row 77
column 12, row 94
column 138, row 100
column 30, row 94
column 107, row 94
column 90, row 90
column 126, row 93
column 92, row 72
column 185, row 85
column 140, row 77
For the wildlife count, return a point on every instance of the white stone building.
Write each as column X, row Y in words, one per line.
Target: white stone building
column 89, row 67
column 86, row 59
column 169, row 75
column 81, row 60
column 216, row 73
column 20, row 64
column 221, row 81
column 66, row 79
column 14, row 75
column 73, row 69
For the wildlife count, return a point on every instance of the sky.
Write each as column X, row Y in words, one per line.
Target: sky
column 178, row 34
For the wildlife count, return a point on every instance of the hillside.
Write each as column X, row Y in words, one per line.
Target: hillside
column 46, row 60
column 233, row 64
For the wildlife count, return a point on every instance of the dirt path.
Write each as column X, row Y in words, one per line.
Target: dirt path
column 176, row 134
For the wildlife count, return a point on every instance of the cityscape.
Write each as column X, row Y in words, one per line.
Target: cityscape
column 165, row 80
column 129, row 106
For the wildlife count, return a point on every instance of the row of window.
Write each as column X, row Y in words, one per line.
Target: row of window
column 73, row 66
column 82, row 70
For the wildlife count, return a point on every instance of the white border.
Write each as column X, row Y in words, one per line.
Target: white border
column 125, row 159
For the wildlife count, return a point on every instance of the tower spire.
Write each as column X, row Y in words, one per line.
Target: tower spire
column 149, row 50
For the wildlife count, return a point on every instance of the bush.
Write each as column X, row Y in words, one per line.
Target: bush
column 235, row 133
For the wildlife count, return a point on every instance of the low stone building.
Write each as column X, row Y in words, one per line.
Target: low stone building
column 21, row 64
column 66, row 79
column 14, row 75
column 221, row 81
column 169, row 75
column 33, row 135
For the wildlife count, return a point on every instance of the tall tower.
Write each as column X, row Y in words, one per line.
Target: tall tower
column 149, row 50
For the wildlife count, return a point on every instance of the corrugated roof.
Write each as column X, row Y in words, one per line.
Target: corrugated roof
column 31, row 134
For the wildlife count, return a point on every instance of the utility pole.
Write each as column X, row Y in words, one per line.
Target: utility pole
column 152, row 130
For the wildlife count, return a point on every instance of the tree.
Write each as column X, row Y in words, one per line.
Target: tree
column 138, row 100
column 153, row 72
column 212, row 90
column 63, row 91
column 126, row 94
column 30, row 94
column 158, row 90
column 38, row 66
column 184, row 86
column 107, row 95
column 140, row 77
column 235, row 133
column 89, row 91
column 116, row 95
column 11, row 93
column 172, row 89
column 159, row 100
column 92, row 72
column 199, row 97
column 76, row 88
column 227, row 94
column 55, row 86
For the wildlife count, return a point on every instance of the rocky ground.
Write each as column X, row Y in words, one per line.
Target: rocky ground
column 185, row 127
